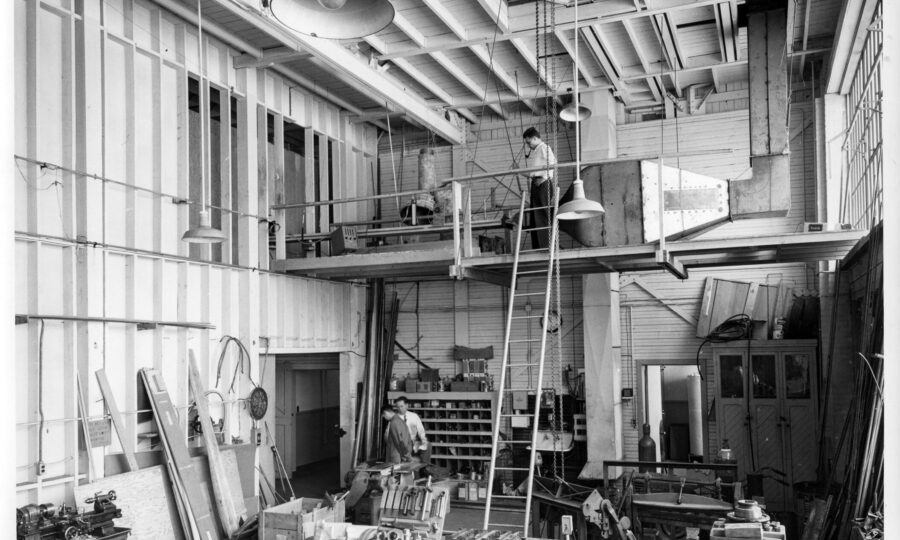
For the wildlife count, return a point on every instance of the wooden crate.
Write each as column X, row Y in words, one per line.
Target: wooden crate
column 297, row 519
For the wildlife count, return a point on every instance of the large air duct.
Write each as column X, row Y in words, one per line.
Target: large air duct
column 768, row 192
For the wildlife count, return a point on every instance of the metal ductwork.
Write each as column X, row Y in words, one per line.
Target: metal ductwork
column 768, row 192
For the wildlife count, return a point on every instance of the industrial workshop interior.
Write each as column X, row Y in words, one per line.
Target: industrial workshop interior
column 450, row 269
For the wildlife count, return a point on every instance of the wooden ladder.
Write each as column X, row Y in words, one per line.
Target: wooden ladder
column 521, row 302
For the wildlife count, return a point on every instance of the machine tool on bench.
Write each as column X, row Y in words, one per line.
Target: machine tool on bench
column 45, row 521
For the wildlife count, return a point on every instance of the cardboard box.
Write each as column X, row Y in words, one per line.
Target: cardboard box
column 297, row 519
column 411, row 385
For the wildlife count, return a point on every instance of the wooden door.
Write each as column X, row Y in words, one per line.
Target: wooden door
column 768, row 437
column 284, row 417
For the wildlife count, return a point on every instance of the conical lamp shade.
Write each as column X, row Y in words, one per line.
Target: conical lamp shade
column 580, row 207
column 203, row 233
column 572, row 114
column 334, row 19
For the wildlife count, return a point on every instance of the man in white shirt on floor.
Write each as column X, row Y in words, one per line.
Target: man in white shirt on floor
column 420, row 446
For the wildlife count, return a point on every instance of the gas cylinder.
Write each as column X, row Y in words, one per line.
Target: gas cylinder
column 646, row 448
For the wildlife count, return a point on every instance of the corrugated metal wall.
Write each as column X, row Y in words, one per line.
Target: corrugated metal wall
column 104, row 91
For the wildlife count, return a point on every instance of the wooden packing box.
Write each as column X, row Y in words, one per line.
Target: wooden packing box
column 297, row 519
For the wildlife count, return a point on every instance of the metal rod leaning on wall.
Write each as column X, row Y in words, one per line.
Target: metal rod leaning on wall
column 489, row 175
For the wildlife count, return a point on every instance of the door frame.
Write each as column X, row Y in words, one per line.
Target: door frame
column 290, row 363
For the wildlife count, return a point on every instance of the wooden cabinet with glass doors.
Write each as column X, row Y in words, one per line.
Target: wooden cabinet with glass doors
column 769, row 417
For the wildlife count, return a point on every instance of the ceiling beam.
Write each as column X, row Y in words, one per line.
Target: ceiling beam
column 655, row 84
column 532, row 61
column 270, row 57
column 444, row 14
column 409, row 29
column 482, row 53
column 567, row 45
column 523, row 27
column 671, row 72
column 727, row 29
column 351, row 69
column 498, row 11
column 593, row 36
column 507, row 97
column 460, row 75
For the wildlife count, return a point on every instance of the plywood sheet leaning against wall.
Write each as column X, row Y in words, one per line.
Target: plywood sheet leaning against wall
column 145, row 499
column 722, row 299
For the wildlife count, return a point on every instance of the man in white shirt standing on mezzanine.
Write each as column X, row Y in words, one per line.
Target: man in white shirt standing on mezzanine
column 539, row 154
column 420, row 446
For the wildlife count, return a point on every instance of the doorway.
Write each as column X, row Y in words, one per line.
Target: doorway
column 669, row 407
column 307, row 397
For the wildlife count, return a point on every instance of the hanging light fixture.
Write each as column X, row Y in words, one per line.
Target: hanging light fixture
column 580, row 207
column 333, row 19
column 574, row 113
column 204, row 232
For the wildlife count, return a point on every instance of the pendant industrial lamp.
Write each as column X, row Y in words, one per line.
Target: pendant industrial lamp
column 204, row 232
column 580, row 207
column 333, row 19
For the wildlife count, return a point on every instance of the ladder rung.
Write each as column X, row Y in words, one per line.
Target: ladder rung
column 529, row 317
column 519, row 389
column 516, row 525
column 535, row 229
column 533, row 208
column 531, row 272
column 508, row 497
column 523, row 340
column 522, row 365
column 529, row 294
column 547, row 249
column 516, row 442
column 511, row 468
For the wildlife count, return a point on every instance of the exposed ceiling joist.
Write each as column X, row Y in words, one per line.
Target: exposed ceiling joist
column 593, row 36
column 727, row 29
column 351, row 69
column 270, row 57
column 464, row 79
column 656, row 72
column 409, row 29
column 483, row 54
column 522, row 27
column 655, row 84
column 568, row 46
column 532, row 61
column 447, row 18
column 498, row 11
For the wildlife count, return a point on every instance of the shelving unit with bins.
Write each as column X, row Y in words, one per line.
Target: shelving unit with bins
column 458, row 426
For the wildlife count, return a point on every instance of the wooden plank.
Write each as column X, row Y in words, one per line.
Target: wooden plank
column 148, row 507
column 224, row 502
column 82, row 412
column 118, row 422
column 690, row 319
column 324, row 211
column 182, row 468
column 276, row 165
column 261, row 194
